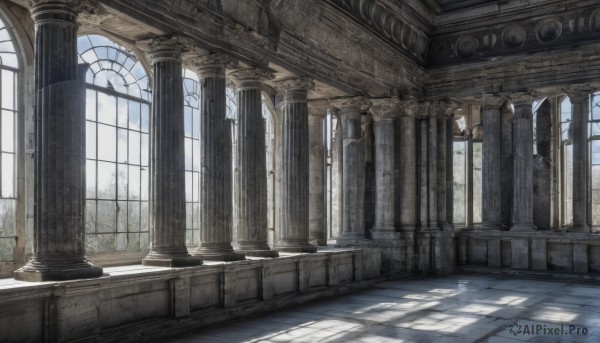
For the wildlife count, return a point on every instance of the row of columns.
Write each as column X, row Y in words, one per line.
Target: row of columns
column 59, row 250
column 522, row 160
column 412, row 181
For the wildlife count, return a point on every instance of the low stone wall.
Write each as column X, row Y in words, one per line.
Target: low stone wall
column 136, row 303
column 554, row 252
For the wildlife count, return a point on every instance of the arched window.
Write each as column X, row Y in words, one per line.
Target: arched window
column 595, row 160
column 192, row 156
column 9, row 71
column 566, row 148
column 117, row 147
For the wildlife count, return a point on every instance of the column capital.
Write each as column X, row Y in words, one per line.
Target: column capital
column 303, row 84
column 249, row 78
column 318, row 108
column 422, row 109
column 450, row 106
column 352, row 107
column 522, row 99
column 212, row 65
column 408, row 107
column 163, row 48
column 578, row 93
column 55, row 11
column 493, row 101
column 386, row 109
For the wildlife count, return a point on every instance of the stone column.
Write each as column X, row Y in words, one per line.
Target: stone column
column 580, row 97
column 447, row 109
column 370, row 189
column 450, row 165
column 167, row 157
column 384, row 112
column 317, row 229
column 423, row 171
column 215, row 154
column 522, row 207
column 337, row 188
column 492, row 160
column 294, row 166
column 353, row 170
column 432, row 159
column 59, row 195
column 407, row 153
column 251, row 169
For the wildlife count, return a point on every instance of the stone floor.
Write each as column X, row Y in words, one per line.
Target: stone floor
column 460, row 308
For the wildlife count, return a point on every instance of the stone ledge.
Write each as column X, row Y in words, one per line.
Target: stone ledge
column 183, row 298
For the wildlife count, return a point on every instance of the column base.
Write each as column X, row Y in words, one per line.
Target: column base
column 259, row 253
column 350, row 239
column 580, row 228
column 172, row 262
column 53, row 270
column 321, row 242
column 490, row 227
column 445, row 226
column 523, row 228
column 383, row 233
column 295, row 247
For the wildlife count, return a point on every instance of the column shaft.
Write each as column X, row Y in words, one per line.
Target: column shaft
column 215, row 174
column 384, row 178
column 580, row 115
column 408, row 173
column 432, row 159
column 353, row 171
column 294, row 167
column 441, row 173
column 492, row 159
column 167, row 160
column 423, row 175
column 450, row 170
column 251, row 169
column 317, row 185
column 59, row 194
column 337, row 188
column 522, row 209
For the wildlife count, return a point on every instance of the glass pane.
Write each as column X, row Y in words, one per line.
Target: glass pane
column 133, row 216
column 106, row 216
column 122, row 216
column 188, row 186
column 196, row 155
column 123, row 170
column 90, row 216
column 8, row 131
column 122, row 120
column 107, row 150
column 107, row 109
column 90, row 175
column 477, row 181
column 7, row 218
column 134, row 115
column 8, row 89
column 196, row 118
column 134, row 147
column 145, row 184
column 8, row 175
column 122, row 145
column 144, row 216
column 596, row 107
column 187, row 121
column 90, row 140
column 90, row 104
column 188, row 154
column 459, row 184
column 106, row 180
column 196, row 187
column 145, row 149
column 134, row 183
column 145, row 118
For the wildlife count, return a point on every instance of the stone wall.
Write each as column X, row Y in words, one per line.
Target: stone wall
column 134, row 302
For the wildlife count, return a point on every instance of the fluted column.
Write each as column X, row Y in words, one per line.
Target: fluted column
column 422, row 165
column 407, row 153
column 522, row 207
column 294, row 166
column 167, row 156
column 492, row 160
column 59, row 194
column 317, row 214
column 251, row 169
column 353, row 170
column 385, row 112
column 337, row 188
column 447, row 109
column 432, row 160
column 215, row 156
column 580, row 97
